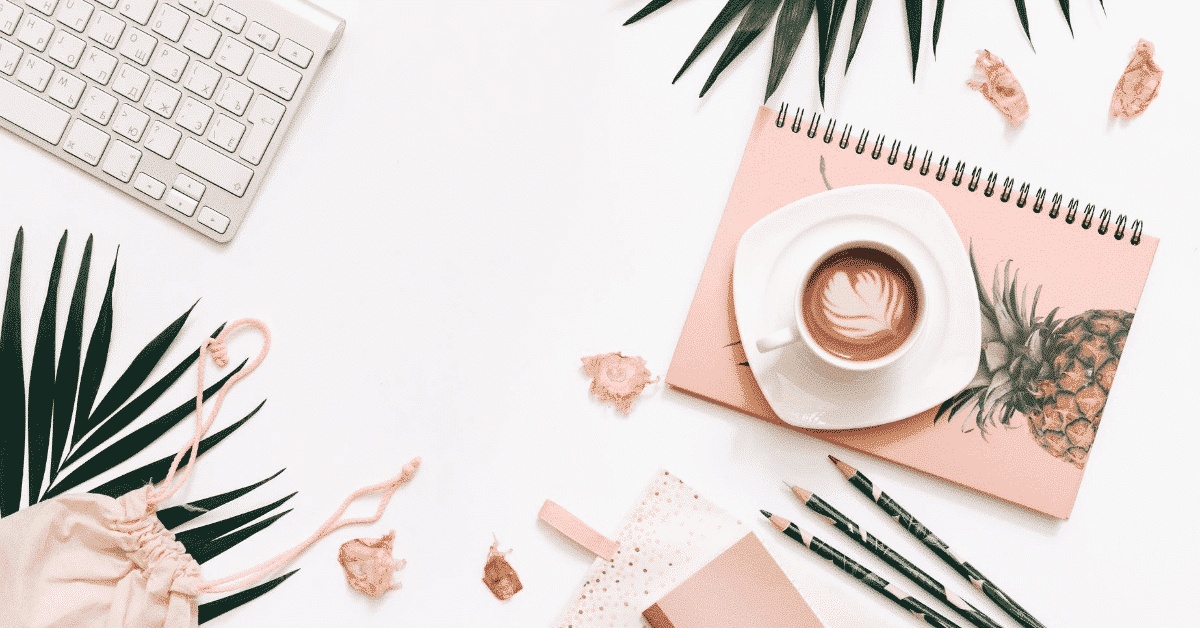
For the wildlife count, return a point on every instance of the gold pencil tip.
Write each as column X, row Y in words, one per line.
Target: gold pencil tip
column 846, row 469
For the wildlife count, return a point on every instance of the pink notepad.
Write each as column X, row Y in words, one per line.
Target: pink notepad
column 742, row 587
column 1069, row 247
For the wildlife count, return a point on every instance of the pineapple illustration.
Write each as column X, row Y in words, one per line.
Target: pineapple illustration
column 1057, row 373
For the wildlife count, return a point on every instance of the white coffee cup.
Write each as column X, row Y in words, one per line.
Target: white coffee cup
column 869, row 294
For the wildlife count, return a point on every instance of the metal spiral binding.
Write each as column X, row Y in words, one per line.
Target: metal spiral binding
column 1039, row 197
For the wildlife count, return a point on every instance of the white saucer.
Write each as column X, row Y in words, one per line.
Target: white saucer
column 771, row 259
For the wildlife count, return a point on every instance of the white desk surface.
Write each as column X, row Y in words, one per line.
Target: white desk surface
column 477, row 194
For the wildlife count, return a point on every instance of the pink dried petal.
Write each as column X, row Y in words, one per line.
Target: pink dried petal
column 617, row 379
column 1000, row 88
column 1138, row 85
column 499, row 576
column 369, row 564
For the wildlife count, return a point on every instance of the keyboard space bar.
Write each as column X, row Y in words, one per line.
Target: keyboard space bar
column 32, row 113
column 209, row 164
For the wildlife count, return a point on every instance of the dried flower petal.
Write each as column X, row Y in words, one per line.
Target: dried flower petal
column 1138, row 85
column 499, row 576
column 1000, row 87
column 369, row 564
column 617, row 379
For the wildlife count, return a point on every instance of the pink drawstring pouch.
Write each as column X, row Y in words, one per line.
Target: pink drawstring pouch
column 91, row 561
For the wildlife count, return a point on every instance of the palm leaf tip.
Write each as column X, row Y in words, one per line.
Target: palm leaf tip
column 731, row 9
column 647, row 10
column 1066, row 9
column 41, row 380
column 216, row 608
column 95, row 359
column 913, row 9
column 793, row 20
column 66, row 380
column 1024, row 15
column 937, row 23
column 751, row 26
column 12, row 388
column 861, row 10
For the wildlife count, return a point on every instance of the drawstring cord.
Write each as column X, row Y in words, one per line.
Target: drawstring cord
column 216, row 348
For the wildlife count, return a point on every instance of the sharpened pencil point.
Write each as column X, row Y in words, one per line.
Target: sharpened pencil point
column 846, row 469
column 766, row 514
column 801, row 494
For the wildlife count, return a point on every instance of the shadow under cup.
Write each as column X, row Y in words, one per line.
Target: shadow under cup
column 861, row 306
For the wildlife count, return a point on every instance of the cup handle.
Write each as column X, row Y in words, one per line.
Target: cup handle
column 777, row 339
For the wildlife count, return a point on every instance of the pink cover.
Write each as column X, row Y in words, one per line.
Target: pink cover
column 742, row 588
column 1079, row 270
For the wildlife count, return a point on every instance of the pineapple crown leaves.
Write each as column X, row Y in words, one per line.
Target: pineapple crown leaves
column 1012, row 353
column 71, row 438
column 792, row 21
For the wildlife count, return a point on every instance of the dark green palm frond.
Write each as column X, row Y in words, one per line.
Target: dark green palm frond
column 913, row 9
column 176, row 516
column 12, row 389
column 723, row 19
column 208, row 551
column 199, row 537
column 1024, row 19
column 1066, row 7
column 793, row 20
column 41, row 380
column 937, row 23
column 829, row 19
column 94, row 360
column 216, row 608
column 861, row 10
column 66, row 381
column 647, row 10
column 752, row 25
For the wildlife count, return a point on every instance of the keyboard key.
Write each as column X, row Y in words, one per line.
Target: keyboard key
column 213, row 219
column 66, row 49
column 97, row 65
column 35, row 31
column 201, row 38
column 226, row 132
column 234, row 55
column 194, row 116
column 66, row 89
column 199, row 6
column 169, row 62
column 169, row 21
column 295, row 53
column 228, row 18
column 75, row 14
column 45, row 6
column 161, row 99
column 10, row 55
column 226, row 173
column 274, row 77
column 187, row 185
column 130, row 122
column 149, row 186
column 85, row 142
column 264, row 117
column 112, row 4
column 162, row 139
column 120, row 160
column 179, row 202
column 233, row 96
column 137, row 10
column 10, row 17
column 201, row 79
column 107, row 29
column 262, row 35
column 138, row 46
column 130, row 82
column 98, row 105
column 32, row 113
column 35, row 72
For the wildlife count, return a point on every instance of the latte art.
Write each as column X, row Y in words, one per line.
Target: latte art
column 860, row 304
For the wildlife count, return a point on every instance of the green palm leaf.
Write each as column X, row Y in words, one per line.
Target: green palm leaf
column 913, row 9
column 1024, row 19
column 204, row 535
column 211, row 550
column 1066, row 7
column 723, row 19
column 176, row 516
column 12, row 389
column 861, row 10
column 216, row 608
column 41, row 380
column 94, row 360
column 937, row 23
column 646, row 10
column 829, row 19
column 752, row 25
column 793, row 20
column 66, row 382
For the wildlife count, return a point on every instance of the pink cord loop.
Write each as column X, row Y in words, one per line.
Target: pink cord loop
column 386, row 489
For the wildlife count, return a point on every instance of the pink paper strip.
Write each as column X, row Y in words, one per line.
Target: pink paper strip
column 576, row 530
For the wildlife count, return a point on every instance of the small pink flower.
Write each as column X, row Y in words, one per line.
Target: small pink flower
column 617, row 379
column 369, row 564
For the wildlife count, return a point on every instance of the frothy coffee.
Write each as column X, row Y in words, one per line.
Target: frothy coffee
column 860, row 304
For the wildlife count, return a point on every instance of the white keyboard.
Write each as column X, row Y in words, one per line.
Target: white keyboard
column 181, row 104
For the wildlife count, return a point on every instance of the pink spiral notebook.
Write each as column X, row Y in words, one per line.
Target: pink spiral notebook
column 1023, row 429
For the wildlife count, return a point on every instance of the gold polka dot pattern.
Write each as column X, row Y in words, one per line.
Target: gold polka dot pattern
column 672, row 532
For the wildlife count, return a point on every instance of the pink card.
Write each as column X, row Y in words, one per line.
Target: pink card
column 1091, row 264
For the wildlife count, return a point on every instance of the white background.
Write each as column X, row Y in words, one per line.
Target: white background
column 477, row 194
